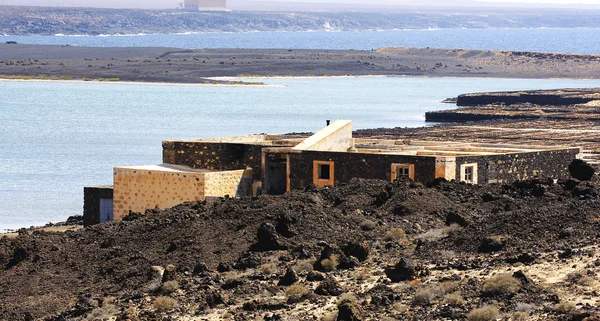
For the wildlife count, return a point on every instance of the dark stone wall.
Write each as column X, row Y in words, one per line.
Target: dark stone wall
column 350, row 165
column 511, row 99
column 455, row 116
column 512, row 167
column 91, row 203
column 214, row 156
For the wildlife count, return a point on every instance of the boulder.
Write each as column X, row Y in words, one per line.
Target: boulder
column 329, row 287
column 315, row 276
column 268, row 240
column 402, row 271
column 289, row 278
column 347, row 262
column 357, row 250
column 456, row 218
column 349, row 310
column 248, row 260
column 200, row 268
column 492, row 244
column 581, row 170
column 285, row 225
column 224, row 267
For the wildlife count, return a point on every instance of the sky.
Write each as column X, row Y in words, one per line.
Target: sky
column 246, row 4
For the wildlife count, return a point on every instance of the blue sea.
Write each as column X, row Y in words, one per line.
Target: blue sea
column 564, row 40
column 57, row 137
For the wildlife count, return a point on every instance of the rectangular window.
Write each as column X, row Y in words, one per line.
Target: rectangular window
column 323, row 173
column 402, row 170
column 468, row 173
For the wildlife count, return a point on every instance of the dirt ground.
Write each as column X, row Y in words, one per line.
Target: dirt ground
column 367, row 250
column 194, row 66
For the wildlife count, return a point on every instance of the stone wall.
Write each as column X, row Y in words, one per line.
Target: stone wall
column 140, row 189
column 227, row 183
column 350, row 165
column 511, row 167
column 214, row 156
column 91, row 202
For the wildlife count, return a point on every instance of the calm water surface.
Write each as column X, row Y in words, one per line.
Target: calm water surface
column 58, row 137
column 566, row 40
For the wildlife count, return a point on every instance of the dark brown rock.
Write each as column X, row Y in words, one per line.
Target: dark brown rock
column 402, row 271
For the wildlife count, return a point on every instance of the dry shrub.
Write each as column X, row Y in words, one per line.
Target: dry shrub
column 485, row 313
column 368, row 225
column 438, row 233
column 520, row 316
column 231, row 276
column 104, row 313
column 131, row 314
column 164, row 304
column 454, row 298
column 304, row 266
column 269, row 268
column 296, row 292
column 347, row 297
column 579, row 278
column 564, row 307
column 395, row 234
column 501, row 284
column 449, row 286
column 170, row 286
column 524, row 307
column 400, row 308
column 330, row 264
column 426, row 295
column 362, row 274
column 331, row 316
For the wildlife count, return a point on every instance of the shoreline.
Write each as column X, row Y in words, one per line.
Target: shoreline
column 138, row 83
column 182, row 66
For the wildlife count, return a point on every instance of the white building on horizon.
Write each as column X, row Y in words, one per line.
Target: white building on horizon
column 205, row 5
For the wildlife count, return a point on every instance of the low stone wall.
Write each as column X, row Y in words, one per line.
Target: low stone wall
column 229, row 183
column 139, row 189
column 214, row 156
column 508, row 168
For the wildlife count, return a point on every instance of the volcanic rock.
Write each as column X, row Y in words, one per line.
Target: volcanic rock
column 329, row 287
column 581, row 170
column 289, row 278
column 402, row 271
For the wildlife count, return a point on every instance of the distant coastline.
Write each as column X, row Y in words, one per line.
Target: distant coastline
column 22, row 20
column 172, row 65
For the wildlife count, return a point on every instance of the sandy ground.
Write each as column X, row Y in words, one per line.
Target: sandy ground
column 194, row 66
column 51, row 229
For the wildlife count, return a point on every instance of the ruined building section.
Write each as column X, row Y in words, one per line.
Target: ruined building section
column 194, row 170
column 205, row 5
column 510, row 167
column 97, row 205
column 139, row 188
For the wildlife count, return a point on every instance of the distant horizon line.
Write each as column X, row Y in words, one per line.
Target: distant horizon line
column 325, row 7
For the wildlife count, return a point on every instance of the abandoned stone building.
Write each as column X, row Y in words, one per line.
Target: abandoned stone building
column 273, row 164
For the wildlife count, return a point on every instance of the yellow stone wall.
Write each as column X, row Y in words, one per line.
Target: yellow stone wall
column 223, row 183
column 140, row 189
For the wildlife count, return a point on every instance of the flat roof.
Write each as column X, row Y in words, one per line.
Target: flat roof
column 167, row 168
column 444, row 148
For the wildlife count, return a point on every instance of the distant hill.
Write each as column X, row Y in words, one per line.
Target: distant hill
column 85, row 21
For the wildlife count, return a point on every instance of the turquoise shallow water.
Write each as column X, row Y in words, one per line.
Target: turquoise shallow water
column 58, row 137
